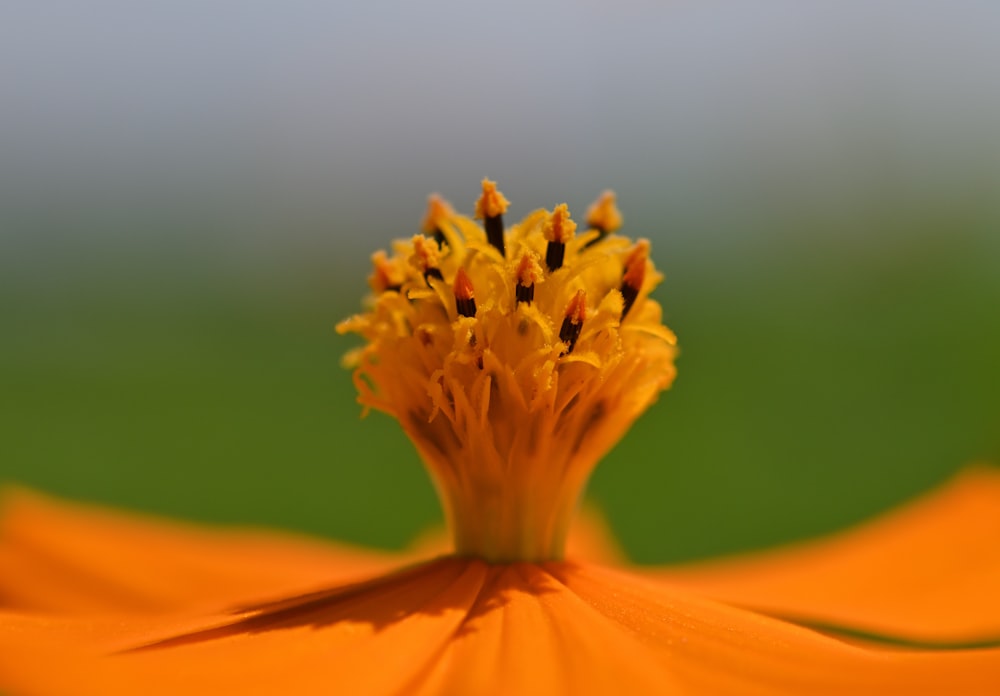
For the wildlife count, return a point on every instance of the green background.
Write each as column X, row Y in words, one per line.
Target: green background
column 188, row 215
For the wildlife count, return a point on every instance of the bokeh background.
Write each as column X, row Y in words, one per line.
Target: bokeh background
column 189, row 192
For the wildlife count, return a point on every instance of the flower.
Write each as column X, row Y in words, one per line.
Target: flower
column 514, row 358
column 514, row 362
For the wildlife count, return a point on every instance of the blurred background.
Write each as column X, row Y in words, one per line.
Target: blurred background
column 190, row 190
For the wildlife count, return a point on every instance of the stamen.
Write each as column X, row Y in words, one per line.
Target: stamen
column 635, row 274
column 426, row 258
column 385, row 276
column 490, row 209
column 558, row 230
column 465, row 303
column 528, row 273
column 510, row 385
column 603, row 215
column 439, row 211
column 576, row 312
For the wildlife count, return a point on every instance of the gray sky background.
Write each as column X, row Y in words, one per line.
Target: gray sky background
column 275, row 128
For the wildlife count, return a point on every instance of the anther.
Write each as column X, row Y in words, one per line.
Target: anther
column 558, row 230
column 426, row 258
column 439, row 211
column 635, row 274
column 603, row 215
column 386, row 275
column 528, row 273
column 572, row 324
column 490, row 209
column 465, row 303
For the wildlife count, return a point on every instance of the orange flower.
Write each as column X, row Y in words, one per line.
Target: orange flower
column 514, row 358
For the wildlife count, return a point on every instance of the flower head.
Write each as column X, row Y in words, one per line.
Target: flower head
column 514, row 359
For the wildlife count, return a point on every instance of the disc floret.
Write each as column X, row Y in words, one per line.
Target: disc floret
column 514, row 358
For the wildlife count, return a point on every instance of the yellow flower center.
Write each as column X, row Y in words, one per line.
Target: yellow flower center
column 514, row 359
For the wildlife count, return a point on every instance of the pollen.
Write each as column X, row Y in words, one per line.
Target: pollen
column 529, row 272
column 635, row 275
column 512, row 376
column 439, row 213
column 490, row 209
column 572, row 324
column 387, row 274
column 426, row 258
column 491, row 203
column 558, row 230
column 603, row 214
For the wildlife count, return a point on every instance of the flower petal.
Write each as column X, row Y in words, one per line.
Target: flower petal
column 591, row 538
column 711, row 648
column 374, row 638
column 460, row 626
column 529, row 634
column 926, row 572
column 71, row 557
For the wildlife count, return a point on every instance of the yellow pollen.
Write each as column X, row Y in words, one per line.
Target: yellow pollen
column 560, row 228
column 439, row 212
column 603, row 214
column 511, row 379
column 387, row 274
column 425, row 255
column 491, row 203
column 529, row 271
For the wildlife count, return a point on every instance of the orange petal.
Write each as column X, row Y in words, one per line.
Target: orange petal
column 529, row 634
column 710, row 648
column 372, row 639
column 929, row 571
column 591, row 539
column 58, row 556
column 460, row 626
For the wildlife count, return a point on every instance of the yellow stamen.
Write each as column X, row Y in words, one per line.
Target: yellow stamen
column 635, row 274
column 512, row 388
column 603, row 214
column 490, row 209
column 560, row 227
column 558, row 230
column 528, row 273
column 491, row 203
column 426, row 258
column 439, row 213
column 387, row 273
column 576, row 312
column 465, row 300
